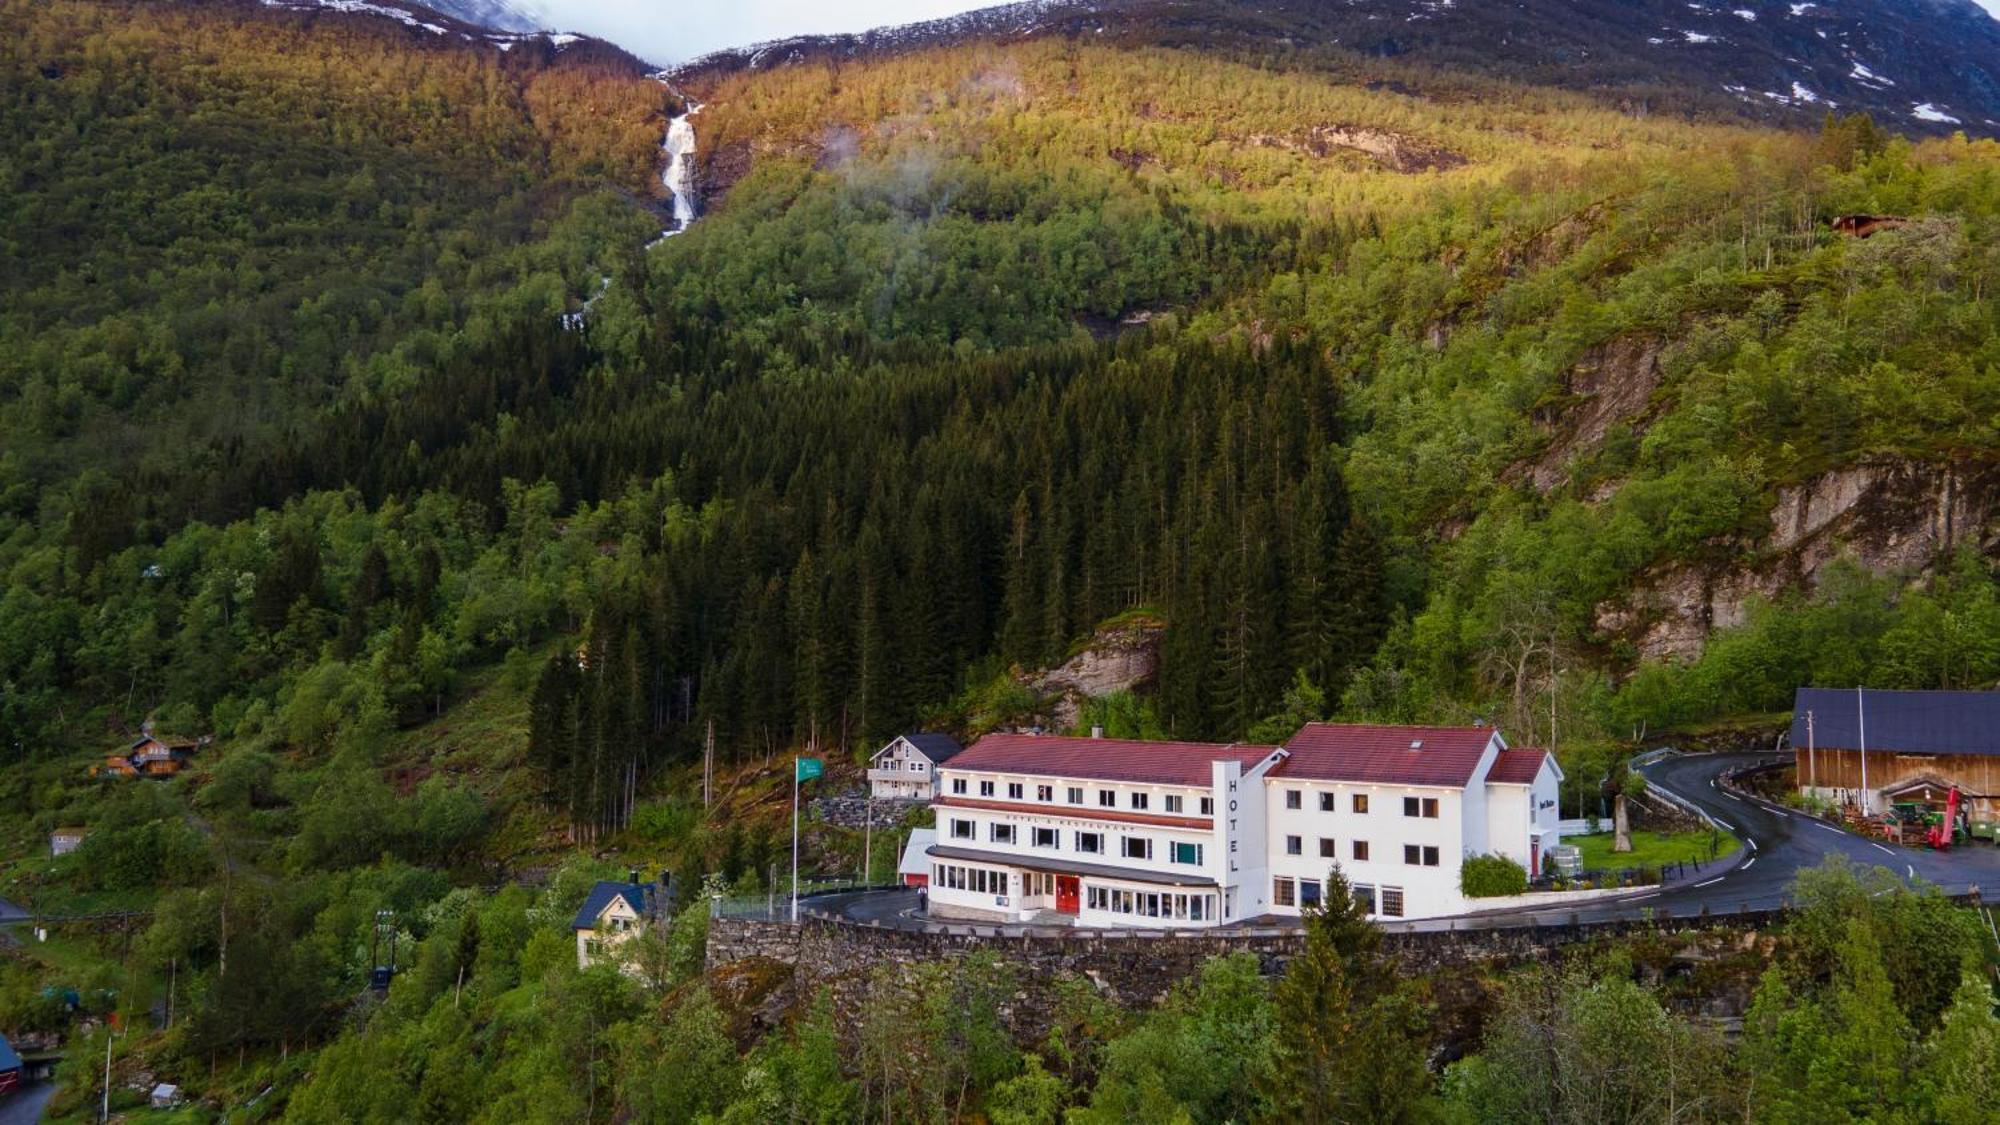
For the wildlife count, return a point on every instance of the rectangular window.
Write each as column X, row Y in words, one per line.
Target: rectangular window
column 958, row 786
column 1412, row 854
column 1308, row 892
column 1001, row 833
column 1293, row 799
column 1364, row 897
column 1138, row 800
column 1076, row 794
column 1392, row 902
column 1045, row 792
column 1208, row 806
column 1098, row 898
column 1045, row 838
column 1326, row 849
column 916, row 767
column 986, row 789
column 1282, row 892
column 1294, row 846
column 1361, row 802
column 1424, row 807
column 1013, row 790
column 1431, row 808
column 1361, row 850
column 1091, row 843
column 1326, row 802
column 1107, row 798
column 1430, row 856
column 1173, row 802
column 1187, row 853
column 963, row 830
column 1136, row 847
column 1411, row 806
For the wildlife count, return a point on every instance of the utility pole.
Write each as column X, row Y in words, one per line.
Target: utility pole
column 110, row 1033
column 1861, row 727
column 868, row 839
column 1812, row 759
column 708, row 764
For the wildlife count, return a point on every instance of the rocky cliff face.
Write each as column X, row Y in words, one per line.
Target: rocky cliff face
column 1120, row 658
column 1894, row 517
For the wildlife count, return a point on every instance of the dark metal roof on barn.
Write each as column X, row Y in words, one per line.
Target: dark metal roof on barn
column 936, row 747
column 1908, row 722
column 600, row 896
column 1445, row 756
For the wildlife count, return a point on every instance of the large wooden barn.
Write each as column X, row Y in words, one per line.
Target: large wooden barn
column 1876, row 748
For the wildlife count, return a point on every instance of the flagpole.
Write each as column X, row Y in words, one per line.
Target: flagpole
column 795, row 838
column 1861, row 721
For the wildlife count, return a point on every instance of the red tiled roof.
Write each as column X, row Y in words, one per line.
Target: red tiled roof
column 1385, row 755
column 1103, row 759
column 1517, row 766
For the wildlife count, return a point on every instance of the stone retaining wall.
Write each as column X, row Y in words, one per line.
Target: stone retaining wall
column 1134, row 968
column 851, row 810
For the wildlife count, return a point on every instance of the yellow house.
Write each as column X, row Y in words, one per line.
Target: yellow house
column 611, row 915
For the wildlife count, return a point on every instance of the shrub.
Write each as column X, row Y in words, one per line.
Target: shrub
column 1489, row 876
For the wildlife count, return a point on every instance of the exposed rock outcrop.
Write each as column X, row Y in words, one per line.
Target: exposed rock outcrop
column 1893, row 517
column 1610, row 384
column 1119, row 658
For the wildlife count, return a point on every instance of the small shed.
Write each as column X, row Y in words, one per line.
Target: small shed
column 915, row 867
column 63, row 841
column 166, row 1095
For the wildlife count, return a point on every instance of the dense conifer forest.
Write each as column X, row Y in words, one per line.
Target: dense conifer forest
column 353, row 413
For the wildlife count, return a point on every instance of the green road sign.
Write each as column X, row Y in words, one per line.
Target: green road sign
column 808, row 768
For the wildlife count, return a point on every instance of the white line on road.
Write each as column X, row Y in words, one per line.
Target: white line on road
column 1883, row 848
column 1748, row 862
column 1711, row 783
column 1710, row 883
column 1644, row 897
column 1753, row 846
column 1829, row 828
column 1911, row 870
column 1725, row 825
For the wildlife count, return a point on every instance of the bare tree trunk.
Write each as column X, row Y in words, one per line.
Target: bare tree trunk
column 1621, row 828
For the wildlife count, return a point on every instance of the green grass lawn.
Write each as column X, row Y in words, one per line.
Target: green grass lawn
column 1650, row 849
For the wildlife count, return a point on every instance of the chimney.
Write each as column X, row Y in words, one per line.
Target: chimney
column 633, row 876
column 1097, row 731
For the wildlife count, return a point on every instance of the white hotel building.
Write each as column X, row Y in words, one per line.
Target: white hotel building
column 1111, row 832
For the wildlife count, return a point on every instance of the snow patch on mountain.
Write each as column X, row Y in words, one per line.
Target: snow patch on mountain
column 1925, row 111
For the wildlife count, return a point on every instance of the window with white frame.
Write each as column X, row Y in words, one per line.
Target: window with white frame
column 1208, row 806
column 1076, row 794
column 1184, row 852
column 1420, row 856
column 1044, row 838
column 1284, row 891
column 1000, row 833
column 1361, row 850
column 1326, row 849
column 1294, row 799
column 1107, row 798
column 1173, row 802
column 1426, row 807
column 1139, row 800
column 986, row 789
column 1294, row 846
column 1326, row 801
column 1045, row 792
column 1308, row 892
column 1392, row 902
column 964, row 830
column 1136, row 847
column 958, row 786
column 1013, row 790
column 1360, row 802
column 1090, row 843
column 1364, row 897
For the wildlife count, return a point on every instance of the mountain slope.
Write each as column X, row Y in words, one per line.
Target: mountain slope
column 1919, row 66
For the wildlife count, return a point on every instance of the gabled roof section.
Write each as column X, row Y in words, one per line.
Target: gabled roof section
column 601, row 896
column 1912, row 722
column 1385, row 755
column 938, row 747
column 915, row 861
column 9, row 1060
column 1105, row 759
column 1517, row 766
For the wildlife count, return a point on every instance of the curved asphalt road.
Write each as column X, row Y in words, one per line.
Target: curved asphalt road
column 1777, row 843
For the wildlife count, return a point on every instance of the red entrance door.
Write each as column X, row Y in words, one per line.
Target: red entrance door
column 1066, row 894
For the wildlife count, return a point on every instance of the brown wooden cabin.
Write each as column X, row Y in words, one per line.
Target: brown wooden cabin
column 1919, row 745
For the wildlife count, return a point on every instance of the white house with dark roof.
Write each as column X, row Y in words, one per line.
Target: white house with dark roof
column 1107, row 832
column 611, row 915
column 906, row 769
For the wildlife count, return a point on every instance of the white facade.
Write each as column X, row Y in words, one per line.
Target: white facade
column 1405, row 866
column 1258, row 838
column 616, row 924
column 1014, row 846
column 901, row 771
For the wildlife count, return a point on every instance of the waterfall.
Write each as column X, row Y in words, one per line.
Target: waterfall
column 679, row 174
